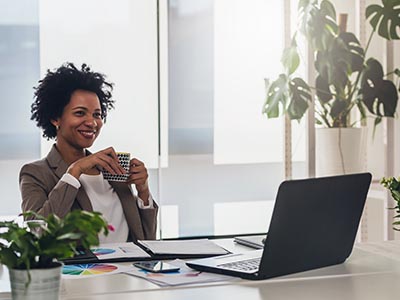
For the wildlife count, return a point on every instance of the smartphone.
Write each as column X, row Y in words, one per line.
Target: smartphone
column 156, row 266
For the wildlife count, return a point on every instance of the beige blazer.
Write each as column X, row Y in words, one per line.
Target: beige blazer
column 43, row 192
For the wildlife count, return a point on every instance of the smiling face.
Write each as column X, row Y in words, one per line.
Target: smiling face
column 80, row 122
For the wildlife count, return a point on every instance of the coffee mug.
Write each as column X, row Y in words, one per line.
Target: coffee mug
column 124, row 160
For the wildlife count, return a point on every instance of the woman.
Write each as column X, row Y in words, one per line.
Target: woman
column 71, row 105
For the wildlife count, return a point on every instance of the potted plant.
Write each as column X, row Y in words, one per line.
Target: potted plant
column 346, row 81
column 393, row 185
column 31, row 253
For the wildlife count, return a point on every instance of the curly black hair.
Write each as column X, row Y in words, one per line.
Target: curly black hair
column 54, row 92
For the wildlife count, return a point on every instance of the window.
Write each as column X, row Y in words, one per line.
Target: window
column 19, row 72
column 225, row 158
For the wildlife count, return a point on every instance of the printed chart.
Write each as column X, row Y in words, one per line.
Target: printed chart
column 118, row 251
column 102, row 251
column 79, row 270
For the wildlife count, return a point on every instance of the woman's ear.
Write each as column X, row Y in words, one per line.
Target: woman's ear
column 56, row 123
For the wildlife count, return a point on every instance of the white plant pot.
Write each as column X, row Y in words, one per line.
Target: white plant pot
column 44, row 284
column 340, row 150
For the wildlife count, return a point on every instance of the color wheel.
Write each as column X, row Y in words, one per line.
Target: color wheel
column 102, row 251
column 88, row 269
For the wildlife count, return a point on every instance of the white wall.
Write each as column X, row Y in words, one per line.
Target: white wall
column 117, row 38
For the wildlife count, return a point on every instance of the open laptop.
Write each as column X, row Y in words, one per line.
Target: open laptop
column 313, row 225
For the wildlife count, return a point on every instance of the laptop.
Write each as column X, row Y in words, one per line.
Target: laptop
column 314, row 224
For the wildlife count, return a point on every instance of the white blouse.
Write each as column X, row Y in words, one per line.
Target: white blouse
column 105, row 200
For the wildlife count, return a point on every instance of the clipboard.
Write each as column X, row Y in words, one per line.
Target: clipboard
column 148, row 250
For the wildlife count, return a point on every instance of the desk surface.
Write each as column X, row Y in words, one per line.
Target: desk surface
column 372, row 272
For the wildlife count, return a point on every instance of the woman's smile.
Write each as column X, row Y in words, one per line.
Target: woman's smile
column 88, row 134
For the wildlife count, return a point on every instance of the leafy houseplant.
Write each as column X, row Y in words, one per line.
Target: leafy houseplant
column 345, row 78
column 44, row 240
column 393, row 185
column 38, row 244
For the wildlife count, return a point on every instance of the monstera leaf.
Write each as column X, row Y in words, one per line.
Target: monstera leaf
column 290, row 58
column 317, row 23
column 344, row 57
column 300, row 97
column 277, row 95
column 379, row 95
column 356, row 51
column 344, row 80
column 323, row 91
column 287, row 95
column 385, row 18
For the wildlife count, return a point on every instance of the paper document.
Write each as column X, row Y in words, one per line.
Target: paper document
column 79, row 271
column 118, row 250
column 184, row 276
column 184, row 247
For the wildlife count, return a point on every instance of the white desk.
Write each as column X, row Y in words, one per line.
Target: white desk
column 365, row 275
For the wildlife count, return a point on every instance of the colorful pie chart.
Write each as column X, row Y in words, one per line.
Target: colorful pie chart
column 88, row 269
column 102, row 251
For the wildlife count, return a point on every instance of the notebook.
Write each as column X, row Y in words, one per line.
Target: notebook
column 314, row 224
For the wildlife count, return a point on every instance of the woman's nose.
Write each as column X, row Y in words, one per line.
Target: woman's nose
column 91, row 122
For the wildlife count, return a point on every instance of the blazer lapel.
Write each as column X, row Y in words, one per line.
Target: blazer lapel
column 59, row 167
column 130, row 208
column 83, row 200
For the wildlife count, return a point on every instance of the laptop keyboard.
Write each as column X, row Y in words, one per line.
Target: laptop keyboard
column 248, row 265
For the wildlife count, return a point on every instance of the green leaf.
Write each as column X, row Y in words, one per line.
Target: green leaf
column 70, row 236
column 323, row 91
column 362, row 110
column 306, row 9
column 353, row 49
column 385, row 19
column 379, row 95
column 377, row 121
column 338, row 107
column 277, row 95
column 8, row 257
column 317, row 23
column 344, row 80
column 59, row 239
column 290, row 58
column 338, row 62
column 395, row 194
column 328, row 10
column 300, row 97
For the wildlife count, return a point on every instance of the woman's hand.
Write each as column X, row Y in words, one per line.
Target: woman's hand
column 138, row 176
column 105, row 159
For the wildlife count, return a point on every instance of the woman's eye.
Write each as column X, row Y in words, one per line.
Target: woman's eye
column 97, row 115
column 80, row 113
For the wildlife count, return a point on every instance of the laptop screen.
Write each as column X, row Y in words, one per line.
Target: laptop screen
column 314, row 223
